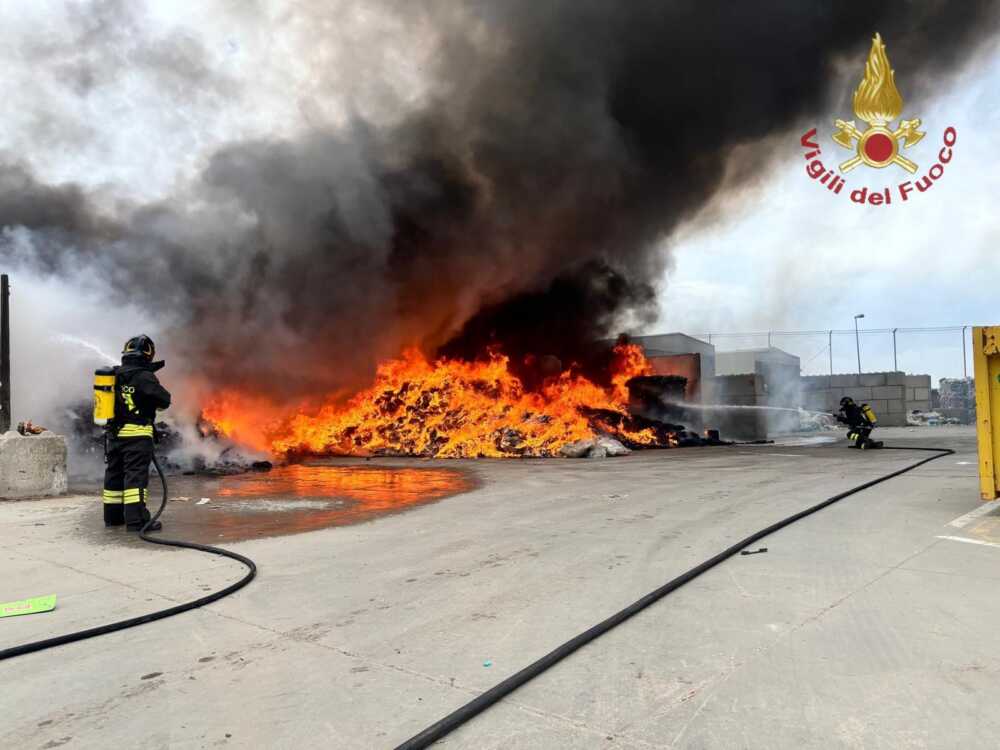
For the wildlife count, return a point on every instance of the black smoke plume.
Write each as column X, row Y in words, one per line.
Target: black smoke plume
column 520, row 205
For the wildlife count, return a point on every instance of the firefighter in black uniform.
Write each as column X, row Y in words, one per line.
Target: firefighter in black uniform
column 861, row 420
column 138, row 396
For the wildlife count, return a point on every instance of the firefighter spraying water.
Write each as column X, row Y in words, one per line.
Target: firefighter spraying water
column 860, row 420
column 126, row 399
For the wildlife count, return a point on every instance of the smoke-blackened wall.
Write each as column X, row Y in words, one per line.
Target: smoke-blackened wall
column 520, row 201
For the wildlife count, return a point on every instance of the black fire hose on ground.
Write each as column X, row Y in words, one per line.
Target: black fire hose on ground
column 502, row 689
column 80, row 635
column 479, row 704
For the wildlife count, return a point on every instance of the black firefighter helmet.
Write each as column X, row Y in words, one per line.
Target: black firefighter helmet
column 141, row 346
column 845, row 401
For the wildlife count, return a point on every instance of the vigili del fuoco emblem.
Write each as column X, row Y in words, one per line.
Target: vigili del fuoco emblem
column 877, row 101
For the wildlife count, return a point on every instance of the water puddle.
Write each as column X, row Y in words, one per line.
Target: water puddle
column 303, row 497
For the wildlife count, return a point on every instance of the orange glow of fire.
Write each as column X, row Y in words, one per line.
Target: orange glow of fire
column 444, row 408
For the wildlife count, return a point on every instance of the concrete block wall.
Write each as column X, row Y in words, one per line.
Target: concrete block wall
column 918, row 392
column 891, row 394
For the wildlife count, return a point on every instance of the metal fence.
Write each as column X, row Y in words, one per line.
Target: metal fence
column 941, row 352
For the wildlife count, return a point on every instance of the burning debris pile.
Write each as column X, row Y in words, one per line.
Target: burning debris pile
column 181, row 450
column 458, row 409
column 518, row 193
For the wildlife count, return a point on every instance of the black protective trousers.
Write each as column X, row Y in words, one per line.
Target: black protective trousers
column 859, row 435
column 126, row 481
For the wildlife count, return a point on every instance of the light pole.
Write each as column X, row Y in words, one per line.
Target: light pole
column 965, row 363
column 857, row 339
column 4, row 353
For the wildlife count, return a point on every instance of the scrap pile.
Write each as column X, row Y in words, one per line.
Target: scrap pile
column 958, row 399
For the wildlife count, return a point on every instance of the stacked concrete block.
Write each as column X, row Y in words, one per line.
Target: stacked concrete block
column 871, row 379
column 859, row 394
column 896, row 406
column 816, row 400
column 817, row 393
column 918, row 393
column 891, row 394
column 891, row 400
column 32, row 465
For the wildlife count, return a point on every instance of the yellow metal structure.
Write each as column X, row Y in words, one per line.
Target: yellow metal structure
column 986, row 356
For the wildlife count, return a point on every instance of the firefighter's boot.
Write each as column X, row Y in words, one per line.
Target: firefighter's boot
column 143, row 518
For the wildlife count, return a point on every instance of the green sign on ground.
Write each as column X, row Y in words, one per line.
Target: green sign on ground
column 29, row 606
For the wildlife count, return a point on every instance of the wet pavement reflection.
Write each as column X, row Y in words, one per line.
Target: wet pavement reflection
column 297, row 498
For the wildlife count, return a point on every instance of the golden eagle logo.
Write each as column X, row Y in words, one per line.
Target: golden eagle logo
column 877, row 101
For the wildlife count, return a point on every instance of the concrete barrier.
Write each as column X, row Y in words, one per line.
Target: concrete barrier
column 32, row 465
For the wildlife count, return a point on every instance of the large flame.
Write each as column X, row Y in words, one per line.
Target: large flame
column 445, row 408
column 876, row 100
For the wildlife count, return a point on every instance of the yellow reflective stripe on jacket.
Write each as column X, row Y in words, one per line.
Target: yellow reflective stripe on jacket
column 135, row 430
column 113, row 496
column 133, row 495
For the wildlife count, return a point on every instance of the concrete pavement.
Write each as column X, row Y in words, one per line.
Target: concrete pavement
column 868, row 625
